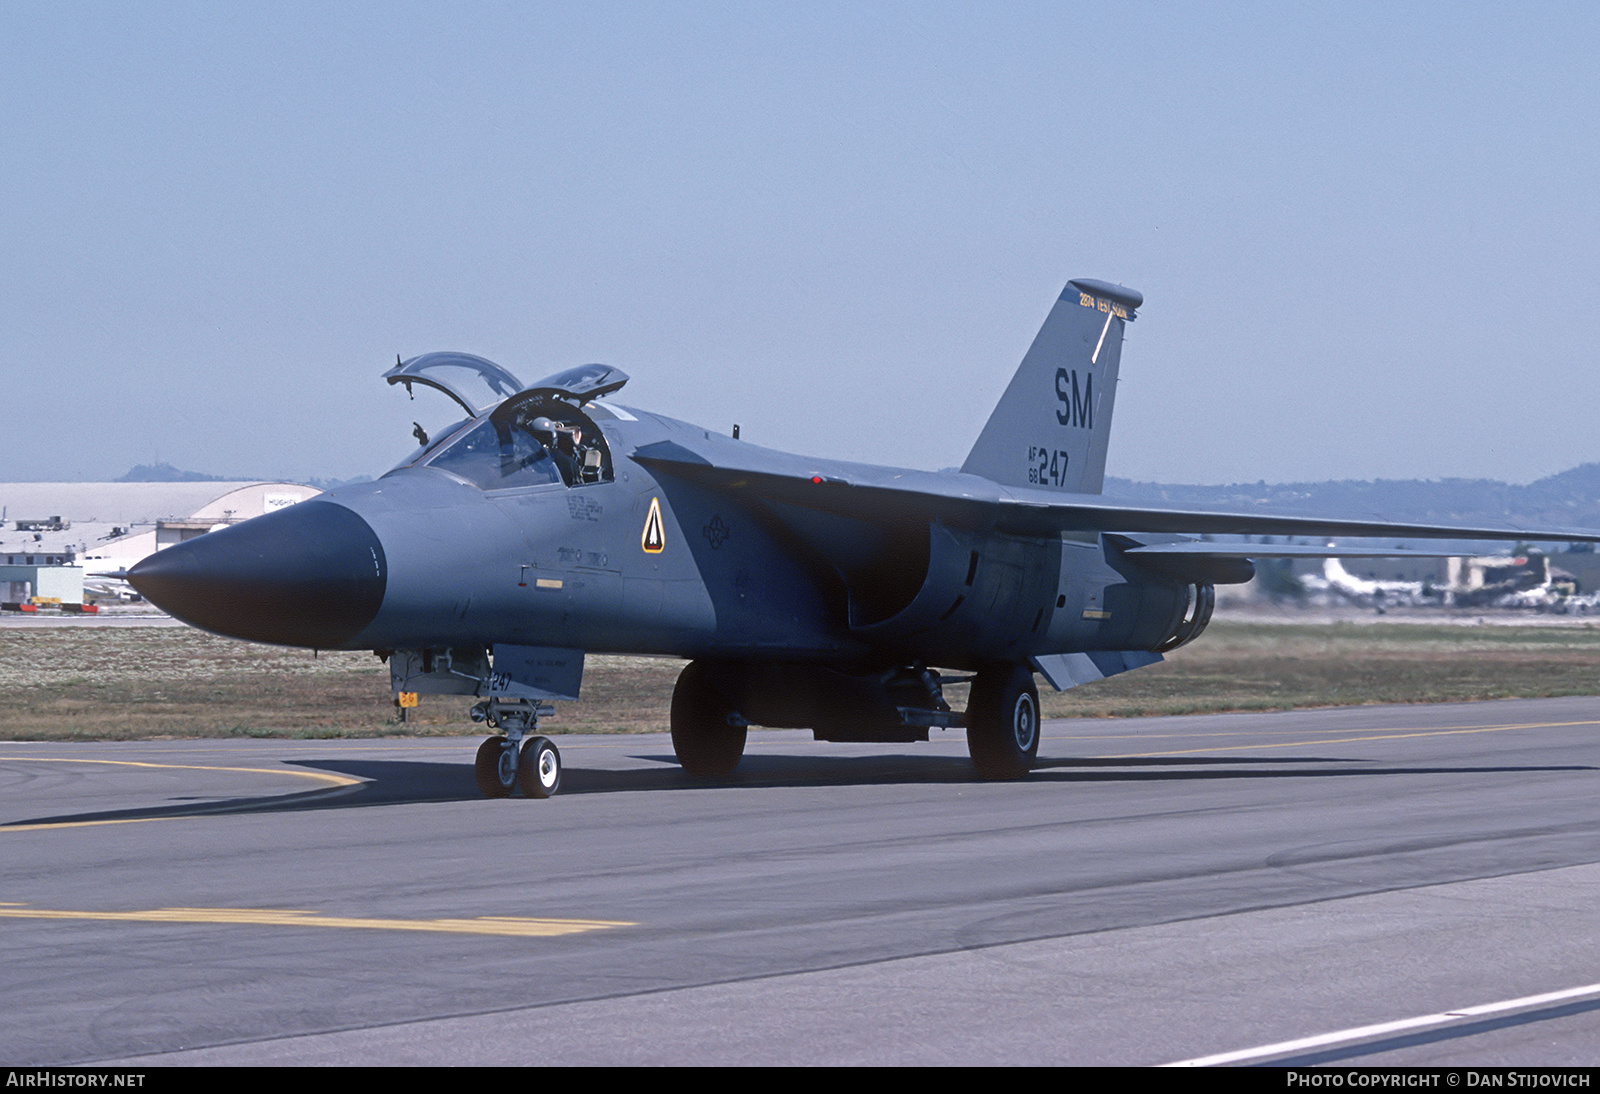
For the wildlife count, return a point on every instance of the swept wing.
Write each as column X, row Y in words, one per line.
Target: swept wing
column 963, row 500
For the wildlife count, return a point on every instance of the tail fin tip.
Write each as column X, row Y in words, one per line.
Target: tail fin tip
column 1131, row 299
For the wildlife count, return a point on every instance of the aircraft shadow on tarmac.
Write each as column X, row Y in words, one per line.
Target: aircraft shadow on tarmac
column 409, row 782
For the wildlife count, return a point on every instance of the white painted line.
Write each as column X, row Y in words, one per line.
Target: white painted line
column 1361, row 1033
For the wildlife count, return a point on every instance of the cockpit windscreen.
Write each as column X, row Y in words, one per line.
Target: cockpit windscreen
column 533, row 442
column 498, row 456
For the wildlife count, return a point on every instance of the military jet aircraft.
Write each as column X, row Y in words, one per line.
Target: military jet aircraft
column 551, row 522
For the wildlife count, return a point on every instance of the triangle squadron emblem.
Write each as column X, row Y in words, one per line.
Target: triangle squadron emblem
column 654, row 539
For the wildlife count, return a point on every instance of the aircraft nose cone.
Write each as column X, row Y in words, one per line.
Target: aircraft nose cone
column 309, row 575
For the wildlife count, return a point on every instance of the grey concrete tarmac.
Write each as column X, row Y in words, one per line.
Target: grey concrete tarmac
column 1159, row 889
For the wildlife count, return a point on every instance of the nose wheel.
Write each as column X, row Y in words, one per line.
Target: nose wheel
column 514, row 759
column 539, row 771
column 496, row 767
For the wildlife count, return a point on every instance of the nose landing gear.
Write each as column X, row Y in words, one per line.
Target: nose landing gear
column 513, row 758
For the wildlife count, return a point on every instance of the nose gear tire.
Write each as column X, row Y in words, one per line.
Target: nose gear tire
column 495, row 768
column 539, row 770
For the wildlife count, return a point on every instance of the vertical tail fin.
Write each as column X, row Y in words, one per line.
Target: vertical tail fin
column 1051, row 426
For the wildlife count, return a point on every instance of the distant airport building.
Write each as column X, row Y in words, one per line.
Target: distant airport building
column 58, row 539
column 1566, row 582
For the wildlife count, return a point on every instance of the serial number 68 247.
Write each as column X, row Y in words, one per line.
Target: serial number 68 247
column 1046, row 466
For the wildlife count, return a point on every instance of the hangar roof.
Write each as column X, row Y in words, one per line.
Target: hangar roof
column 118, row 502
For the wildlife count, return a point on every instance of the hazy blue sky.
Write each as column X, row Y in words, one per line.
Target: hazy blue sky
column 1368, row 235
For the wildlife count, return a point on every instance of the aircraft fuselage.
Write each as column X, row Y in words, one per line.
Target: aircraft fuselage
column 649, row 564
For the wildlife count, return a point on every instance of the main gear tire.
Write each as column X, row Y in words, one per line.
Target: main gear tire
column 707, row 733
column 1003, row 722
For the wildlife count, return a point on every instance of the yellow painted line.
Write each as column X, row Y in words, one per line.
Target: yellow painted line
column 504, row 926
column 333, row 782
column 1394, row 736
column 93, row 823
column 319, row 776
column 1263, row 732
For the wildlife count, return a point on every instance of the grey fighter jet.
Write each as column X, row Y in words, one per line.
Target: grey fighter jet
column 551, row 522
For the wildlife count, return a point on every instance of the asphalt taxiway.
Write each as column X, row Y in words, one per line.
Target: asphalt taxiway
column 1159, row 890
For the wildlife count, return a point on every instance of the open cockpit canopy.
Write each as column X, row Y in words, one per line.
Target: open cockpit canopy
column 580, row 384
column 474, row 382
column 478, row 384
column 518, row 436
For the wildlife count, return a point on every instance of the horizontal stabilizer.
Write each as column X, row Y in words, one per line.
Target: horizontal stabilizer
column 1234, row 563
column 1274, row 550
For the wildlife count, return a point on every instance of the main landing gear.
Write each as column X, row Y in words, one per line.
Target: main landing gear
column 709, row 730
column 1003, row 722
column 515, row 759
column 708, row 733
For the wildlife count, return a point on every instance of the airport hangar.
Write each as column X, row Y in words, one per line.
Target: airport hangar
column 55, row 537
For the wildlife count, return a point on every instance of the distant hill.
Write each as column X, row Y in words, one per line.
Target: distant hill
column 1569, row 499
column 165, row 472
